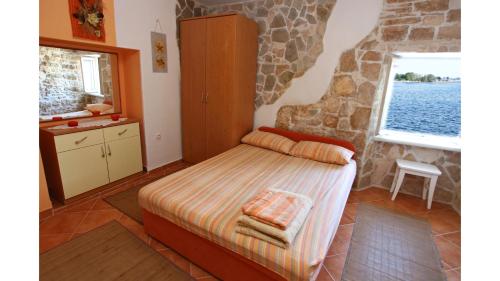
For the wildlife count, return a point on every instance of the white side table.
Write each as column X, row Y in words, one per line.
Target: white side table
column 430, row 172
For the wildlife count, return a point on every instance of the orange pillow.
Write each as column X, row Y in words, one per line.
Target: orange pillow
column 269, row 140
column 322, row 152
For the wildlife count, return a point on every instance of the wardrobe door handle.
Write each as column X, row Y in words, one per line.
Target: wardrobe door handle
column 102, row 152
column 202, row 97
column 80, row 141
column 206, row 97
column 109, row 150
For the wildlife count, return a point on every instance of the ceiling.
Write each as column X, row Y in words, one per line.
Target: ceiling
column 216, row 2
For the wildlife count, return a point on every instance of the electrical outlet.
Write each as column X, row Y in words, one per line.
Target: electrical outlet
column 158, row 136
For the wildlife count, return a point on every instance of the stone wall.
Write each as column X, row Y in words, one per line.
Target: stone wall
column 290, row 38
column 60, row 82
column 187, row 9
column 350, row 107
column 106, row 79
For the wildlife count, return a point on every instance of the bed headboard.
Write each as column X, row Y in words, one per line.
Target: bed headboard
column 297, row 136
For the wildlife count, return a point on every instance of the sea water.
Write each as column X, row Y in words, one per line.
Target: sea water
column 431, row 108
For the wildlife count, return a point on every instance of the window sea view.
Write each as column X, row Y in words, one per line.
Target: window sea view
column 429, row 108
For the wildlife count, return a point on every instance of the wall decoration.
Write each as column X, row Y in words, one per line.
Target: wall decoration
column 159, row 49
column 87, row 19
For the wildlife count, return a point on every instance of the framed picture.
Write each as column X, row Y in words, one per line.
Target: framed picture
column 159, row 51
column 87, row 19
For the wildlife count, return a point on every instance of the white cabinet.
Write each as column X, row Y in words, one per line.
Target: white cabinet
column 90, row 159
column 124, row 157
column 83, row 169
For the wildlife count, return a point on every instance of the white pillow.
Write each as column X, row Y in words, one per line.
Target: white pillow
column 101, row 107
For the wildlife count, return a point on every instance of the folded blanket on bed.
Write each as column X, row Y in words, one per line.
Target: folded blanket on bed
column 277, row 208
column 282, row 238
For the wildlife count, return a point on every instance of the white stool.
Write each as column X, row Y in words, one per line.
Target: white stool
column 430, row 172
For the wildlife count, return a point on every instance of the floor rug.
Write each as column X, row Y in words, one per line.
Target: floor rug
column 109, row 252
column 390, row 246
column 127, row 201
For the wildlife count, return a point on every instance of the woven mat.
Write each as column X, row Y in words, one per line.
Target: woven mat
column 109, row 252
column 126, row 202
column 391, row 246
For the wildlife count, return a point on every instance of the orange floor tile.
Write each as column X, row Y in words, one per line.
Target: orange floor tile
column 79, row 218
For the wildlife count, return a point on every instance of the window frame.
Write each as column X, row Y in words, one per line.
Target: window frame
column 404, row 137
column 95, row 79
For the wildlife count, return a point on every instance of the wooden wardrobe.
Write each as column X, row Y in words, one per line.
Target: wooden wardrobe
column 218, row 73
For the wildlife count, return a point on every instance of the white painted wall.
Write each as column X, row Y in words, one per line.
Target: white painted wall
column 349, row 23
column 161, row 91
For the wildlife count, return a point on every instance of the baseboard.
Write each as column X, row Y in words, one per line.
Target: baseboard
column 45, row 214
column 149, row 169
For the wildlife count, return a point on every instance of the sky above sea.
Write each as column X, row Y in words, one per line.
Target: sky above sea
column 444, row 67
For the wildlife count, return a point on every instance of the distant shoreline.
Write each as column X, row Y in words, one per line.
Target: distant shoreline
column 437, row 82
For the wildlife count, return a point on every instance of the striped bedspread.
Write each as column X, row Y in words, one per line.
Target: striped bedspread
column 206, row 199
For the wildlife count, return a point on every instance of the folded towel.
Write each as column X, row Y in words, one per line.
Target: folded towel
column 275, row 207
column 282, row 238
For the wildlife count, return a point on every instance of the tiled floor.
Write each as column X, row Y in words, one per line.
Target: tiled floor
column 73, row 220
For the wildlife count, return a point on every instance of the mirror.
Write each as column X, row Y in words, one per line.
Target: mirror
column 77, row 83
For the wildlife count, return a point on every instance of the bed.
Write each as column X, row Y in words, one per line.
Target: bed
column 68, row 115
column 194, row 211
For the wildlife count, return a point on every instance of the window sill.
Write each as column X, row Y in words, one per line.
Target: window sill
column 94, row 94
column 420, row 140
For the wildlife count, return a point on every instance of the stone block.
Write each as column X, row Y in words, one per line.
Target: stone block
column 280, row 35
column 368, row 45
column 372, row 56
column 344, row 124
column 322, row 13
column 432, row 5
column 348, row 61
column 311, row 19
column 400, row 21
column 267, row 68
column 344, row 85
column 360, row 118
column 330, row 121
column 366, row 92
column 286, row 77
column 262, row 12
column 394, row 33
column 278, row 21
column 433, row 20
column 293, row 14
column 370, row 71
column 269, row 83
column 423, row 33
column 449, row 32
column 291, row 53
column 454, row 172
column 453, row 15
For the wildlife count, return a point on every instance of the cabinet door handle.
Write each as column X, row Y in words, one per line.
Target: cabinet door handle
column 122, row 132
column 206, row 97
column 202, row 97
column 109, row 150
column 102, row 152
column 80, row 141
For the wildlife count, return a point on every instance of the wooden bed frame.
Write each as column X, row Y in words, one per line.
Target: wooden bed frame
column 219, row 261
